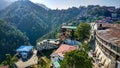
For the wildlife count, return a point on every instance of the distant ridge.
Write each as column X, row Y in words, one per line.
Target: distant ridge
column 43, row 6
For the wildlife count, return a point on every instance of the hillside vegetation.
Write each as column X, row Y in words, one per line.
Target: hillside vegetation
column 10, row 39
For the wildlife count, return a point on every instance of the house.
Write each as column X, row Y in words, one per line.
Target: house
column 66, row 31
column 24, row 52
column 58, row 55
column 48, row 44
column 27, row 57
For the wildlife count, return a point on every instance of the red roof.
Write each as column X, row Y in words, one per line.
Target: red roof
column 63, row 49
column 4, row 66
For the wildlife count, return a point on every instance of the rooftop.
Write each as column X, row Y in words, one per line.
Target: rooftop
column 24, row 48
column 63, row 49
column 72, row 42
column 32, row 61
column 109, row 25
column 69, row 27
column 111, row 35
column 4, row 66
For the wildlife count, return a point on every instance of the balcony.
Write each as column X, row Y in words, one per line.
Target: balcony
column 111, row 49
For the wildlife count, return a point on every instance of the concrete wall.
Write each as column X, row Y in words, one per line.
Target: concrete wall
column 103, row 58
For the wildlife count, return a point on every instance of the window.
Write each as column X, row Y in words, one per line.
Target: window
column 100, row 25
column 114, row 48
column 118, row 49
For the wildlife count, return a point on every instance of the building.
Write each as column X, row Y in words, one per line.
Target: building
column 24, row 52
column 58, row 55
column 107, row 50
column 66, row 31
column 48, row 44
column 27, row 57
column 72, row 42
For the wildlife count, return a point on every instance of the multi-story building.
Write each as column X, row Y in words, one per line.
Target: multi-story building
column 107, row 50
column 48, row 44
column 66, row 31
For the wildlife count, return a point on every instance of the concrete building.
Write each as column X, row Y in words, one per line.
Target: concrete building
column 48, row 44
column 66, row 31
column 27, row 57
column 107, row 50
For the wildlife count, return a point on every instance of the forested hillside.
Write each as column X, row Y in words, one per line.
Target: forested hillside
column 28, row 17
column 34, row 20
column 10, row 39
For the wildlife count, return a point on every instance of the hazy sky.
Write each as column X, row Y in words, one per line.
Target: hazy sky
column 63, row 4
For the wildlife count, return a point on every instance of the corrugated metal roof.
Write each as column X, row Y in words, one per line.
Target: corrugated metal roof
column 24, row 48
column 69, row 27
column 111, row 35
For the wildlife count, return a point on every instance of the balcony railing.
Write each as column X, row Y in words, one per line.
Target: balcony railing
column 108, row 45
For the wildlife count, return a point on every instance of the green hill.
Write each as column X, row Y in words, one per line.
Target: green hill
column 34, row 20
column 10, row 39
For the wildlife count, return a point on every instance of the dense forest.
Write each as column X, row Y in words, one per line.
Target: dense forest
column 10, row 39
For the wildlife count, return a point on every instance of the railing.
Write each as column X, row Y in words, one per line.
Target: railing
column 44, row 46
column 108, row 45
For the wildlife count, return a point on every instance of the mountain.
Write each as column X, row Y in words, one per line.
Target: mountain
column 43, row 6
column 10, row 39
column 28, row 17
column 33, row 20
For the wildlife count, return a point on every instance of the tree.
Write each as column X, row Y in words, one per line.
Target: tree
column 83, row 32
column 76, row 59
column 86, row 46
column 9, row 60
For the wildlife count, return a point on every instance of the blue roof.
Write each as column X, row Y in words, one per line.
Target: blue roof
column 24, row 53
column 24, row 48
column 72, row 42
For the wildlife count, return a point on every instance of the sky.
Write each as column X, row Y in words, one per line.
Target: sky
column 64, row 4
